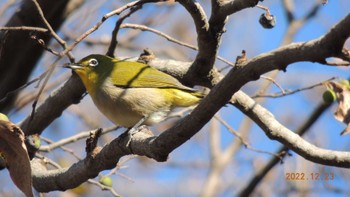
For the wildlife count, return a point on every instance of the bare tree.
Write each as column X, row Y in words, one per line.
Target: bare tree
column 221, row 51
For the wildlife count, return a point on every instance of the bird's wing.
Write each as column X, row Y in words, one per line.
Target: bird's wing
column 137, row 75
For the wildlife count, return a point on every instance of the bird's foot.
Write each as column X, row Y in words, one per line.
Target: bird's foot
column 136, row 128
column 132, row 131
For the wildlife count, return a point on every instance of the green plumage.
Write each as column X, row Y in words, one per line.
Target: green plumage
column 126, row 91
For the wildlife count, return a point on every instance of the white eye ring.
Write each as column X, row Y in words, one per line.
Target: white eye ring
column 93, row 62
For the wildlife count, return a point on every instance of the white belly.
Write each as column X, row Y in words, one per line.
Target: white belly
column 126, row 107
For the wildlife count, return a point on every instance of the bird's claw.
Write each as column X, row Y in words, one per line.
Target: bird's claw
column 132, row 132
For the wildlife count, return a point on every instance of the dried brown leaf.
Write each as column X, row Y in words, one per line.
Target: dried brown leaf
column 17, row 160
column 343, row 111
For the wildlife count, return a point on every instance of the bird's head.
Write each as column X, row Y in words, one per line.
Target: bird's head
column 93, row 69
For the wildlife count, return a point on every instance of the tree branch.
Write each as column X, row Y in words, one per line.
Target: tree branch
column 61, row 98
column 74, row 138
column 114, row 41
column 169, row 38
column 51, row 30
column 209, row 35
column 14, row 45
column 315, row 50
column 24, row 28
column 261, row 173
column 274, row 130
column 49, row 180
column 159, row 147
column 233, row 6
column 207, row 44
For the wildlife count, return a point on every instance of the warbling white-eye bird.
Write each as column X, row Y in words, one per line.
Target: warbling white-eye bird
column 129, row 92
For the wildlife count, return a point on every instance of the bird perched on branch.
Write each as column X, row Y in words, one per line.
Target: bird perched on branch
column 241, row 59
column 129, row 92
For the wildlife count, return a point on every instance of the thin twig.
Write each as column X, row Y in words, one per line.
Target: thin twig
column 98, row 24
column 52, row 31
column 42, row 43
column 91, row 181
column 120, row 165
column 74, row 138
column 68, row 150
column 289, row 92
column 114, row 41
column 123, row 8
column 103, row 187
column 264, row 8
column 169, row 38
column 244, row 142
column 274, row 82
column 337, row 63
column 47, row 160
column 25, row 28
column 28, row 97
column 46, row 75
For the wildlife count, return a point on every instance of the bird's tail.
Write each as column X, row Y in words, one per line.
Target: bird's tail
column 187, row 98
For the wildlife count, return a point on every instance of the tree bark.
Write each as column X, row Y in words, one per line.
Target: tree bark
column 19, row 53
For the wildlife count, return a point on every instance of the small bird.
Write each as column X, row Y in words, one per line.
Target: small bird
column 241, row 59
column 129, row 92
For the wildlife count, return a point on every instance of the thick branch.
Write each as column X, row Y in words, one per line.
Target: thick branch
column 276, row 131
column 144, row 143
column 50, row 180
column 316, row 50
column 69, row 93
column 15, row 45
column 159, row 147
column 209, row 35
column 206, row 41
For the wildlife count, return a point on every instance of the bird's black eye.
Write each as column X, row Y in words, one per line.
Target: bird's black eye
column 93, row 62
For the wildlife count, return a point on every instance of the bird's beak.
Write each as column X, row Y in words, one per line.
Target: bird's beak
column 72, row 65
